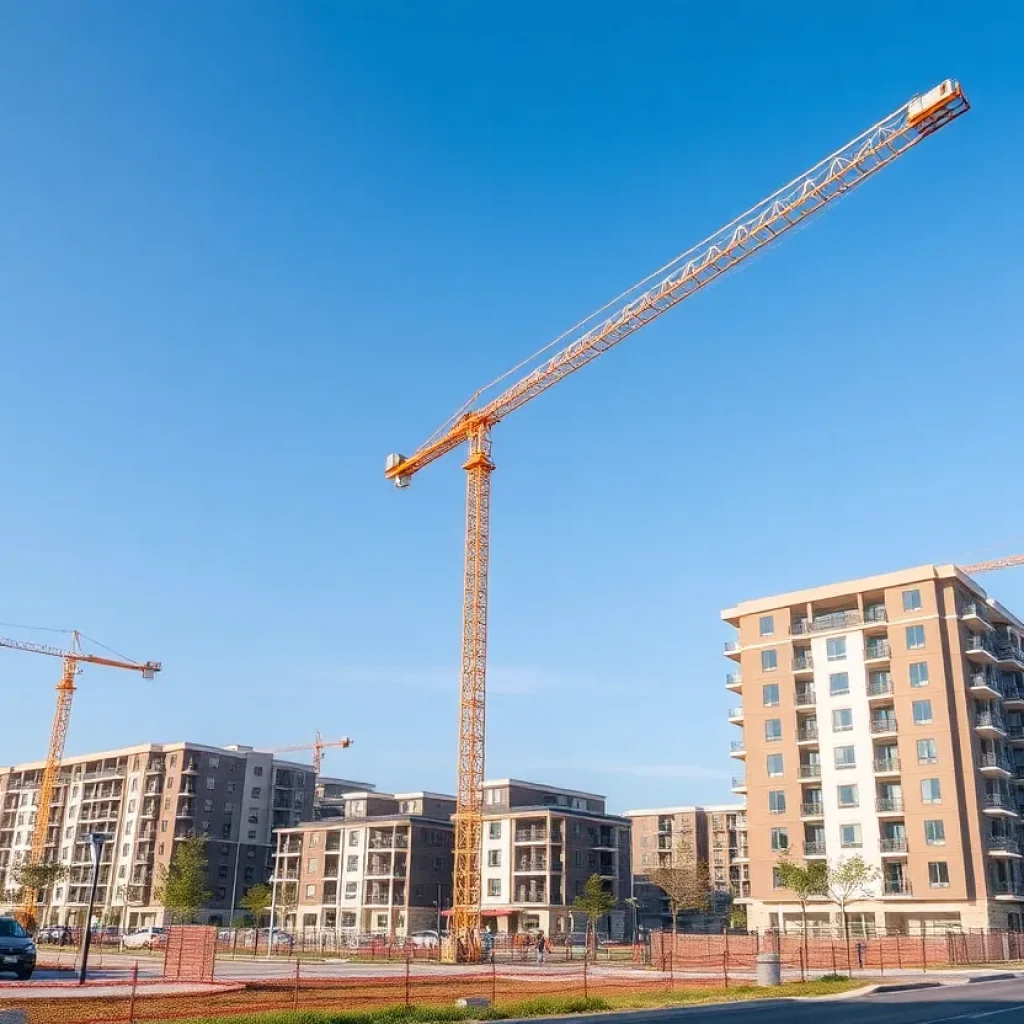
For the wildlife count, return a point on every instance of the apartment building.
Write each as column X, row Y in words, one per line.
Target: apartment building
column 540, row 845
column 715, row 835
column 384, row 868
column 331, row 793
column 884, row 717
column 145, row 798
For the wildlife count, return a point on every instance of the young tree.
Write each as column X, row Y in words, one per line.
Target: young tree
column 804, row 881
column 849, row 880
column 595, row 903
column 181, row 888
column 257, row 900
column 685, row 881
column 26, row 875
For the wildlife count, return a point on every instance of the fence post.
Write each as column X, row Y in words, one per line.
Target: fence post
column 803, row 974
column 135, row 982
column 899, row 954
column 295, row 992
column 725, row 969
column 834, row 970
column 924, row 950
column 494, row 980
column 671, row 969
column 586, row 990
column 881, row 957
column 407, row 1000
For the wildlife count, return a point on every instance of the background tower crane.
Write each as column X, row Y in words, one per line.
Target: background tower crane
column 993, row 564
column 72, row 661
column 317, row 746
column 471, row 425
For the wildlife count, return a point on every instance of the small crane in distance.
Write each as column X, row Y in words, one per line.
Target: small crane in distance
column 317, row 746
column 996, row 563
column 72, row 660
column 730, row 246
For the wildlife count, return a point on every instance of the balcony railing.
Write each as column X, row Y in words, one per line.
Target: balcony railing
column 876, row 613
column 893, row 844
column 734, row 679
column 739, row 782
column 836, row 620
column 998, row 800
column 988, row 720
column 814, row 848
column 531, row 835
column 974, row 610
column 887, row 764
column 803, row 663
column 810, row 771
column 735, row 713
column 1002, row 844
column 876, row 649
column 732, row 646
column 978, row 643
column 805, row 698
column 535, row 864
column 886, row 723
column 880, row 686
column 898, row 887
column 1015, row 732
column 809, row 731
column 815, row 809
column 987, row 678
column 995, row 761
column 889, row 804
column 737, row 745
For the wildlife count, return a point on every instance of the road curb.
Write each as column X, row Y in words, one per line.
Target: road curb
column 1005, row 976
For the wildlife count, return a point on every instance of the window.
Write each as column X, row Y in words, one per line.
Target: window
column 214, row 762
column 131, row 806
column 350, row 889
column 229, row 807
column 258, row 770
column 848, row 796
column 850, row 836
column 767, row 625
column 842, row 720
column 494, row 858
column 935, row 833
column 839, row 683
column 931, row 791
column 494, row 830
column 835, row 648
column 493, row 886
column 578, row 858
column 773, row 729
column 926, row 752
column 776, row 878
column 353, row 839
column 231, row 787
column 211, row 782
column 438, row 863
column 911, row 600
column 769, row 660
column 919, row 673
column 915, row 638
column 311, row 865
column 774, row 766
column 777, row 801
column 770, row 695
column 256, row 791
column 310, row 891
column 845, row 758
column 938, row 874
column 208, row 806
column 780, row 839
column 251, row 833
column 922, row 712
column 352, row 863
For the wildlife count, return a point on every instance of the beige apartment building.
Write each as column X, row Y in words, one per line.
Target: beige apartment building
column 386, row 866
column 884, row 717
column 145, row 798
column 715, row 835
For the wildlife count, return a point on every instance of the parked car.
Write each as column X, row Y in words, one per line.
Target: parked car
column 56, row 935
column 427, row 939
column 145, row 938
column 17, row 950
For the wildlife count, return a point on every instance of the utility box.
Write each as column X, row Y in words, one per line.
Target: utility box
column 769, row 970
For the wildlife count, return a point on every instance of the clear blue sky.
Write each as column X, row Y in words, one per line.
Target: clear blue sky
column 251, row 248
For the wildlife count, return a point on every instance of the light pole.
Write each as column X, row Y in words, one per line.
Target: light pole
column 273, row 898
column 96, row 841
column 635, row 904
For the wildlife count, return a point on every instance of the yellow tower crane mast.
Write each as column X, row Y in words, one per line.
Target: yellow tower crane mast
column 72, row 660
column 471, row 425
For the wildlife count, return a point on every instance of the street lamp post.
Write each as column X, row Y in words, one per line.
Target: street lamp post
column 96, row 841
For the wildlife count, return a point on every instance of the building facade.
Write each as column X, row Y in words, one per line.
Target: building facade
column 714, row 835
column 145, row 799
column 884, row 717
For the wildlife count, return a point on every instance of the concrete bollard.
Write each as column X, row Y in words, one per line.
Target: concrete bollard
column 474, row 1001
column 769, row 970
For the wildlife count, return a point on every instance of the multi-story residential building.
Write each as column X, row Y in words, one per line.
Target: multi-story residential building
column 714, row 835
column 384, row 868
column 885, row 717
column 540, row 845
column 331, row 793
column 145, row 798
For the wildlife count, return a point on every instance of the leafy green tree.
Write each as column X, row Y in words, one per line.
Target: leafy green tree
column 595, row 903
column 849, row 880
column 257, row 900
column 37, row 877
column 685, row 881
column 805, row 881
column 181, row 888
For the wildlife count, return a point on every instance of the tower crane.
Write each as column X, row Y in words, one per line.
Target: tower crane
column 471, row 425
column 72, row 660
column 995, row 563
column 317, row 746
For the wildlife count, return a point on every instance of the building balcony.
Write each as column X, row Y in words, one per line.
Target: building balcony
column 1004, row 889
column 738, row 748
column 530, row 897
column 739, row 784
column 805, row 698
column 807, row 733
column 735, row 716
column 803, row 663
column 1015, row 733
column 975, row 614
column 814, row 809
column 1013, row 694
column 990, row 724
column 985, row 684
column 979, row 649
column 995, row 765
column 836, row 620
column 875, row 614
column 734, row 681
column 740, row 890
column 880, row 687
column 883, row 725
column 190, row 768
column 893, row 846
column 876, row 650
column 897, row 887
column 536, row 866
column 1002, row 846
column 532, row 835
column 1008, row 654
column 887, row 766
column 739, row 853
column 732, row 648
column 998, row 805
column 809, row 771
column 814, row 848
column 889, row 805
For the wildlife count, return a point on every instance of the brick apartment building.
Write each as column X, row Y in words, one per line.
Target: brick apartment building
column 386, row 867
column 885, row 717
column 145, row 798
column 715, row 835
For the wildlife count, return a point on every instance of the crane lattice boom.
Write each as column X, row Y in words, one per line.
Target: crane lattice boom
column 317, row 746
column 995, row 563
column 727, row 248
